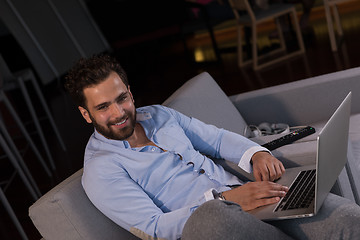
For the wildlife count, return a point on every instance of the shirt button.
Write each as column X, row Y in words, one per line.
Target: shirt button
column 153, row 149
column 190, row 163
column 202, row 171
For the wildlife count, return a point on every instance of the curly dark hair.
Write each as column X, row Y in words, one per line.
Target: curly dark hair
column 89, row 72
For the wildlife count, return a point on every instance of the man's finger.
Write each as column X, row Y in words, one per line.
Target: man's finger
column 264, row 202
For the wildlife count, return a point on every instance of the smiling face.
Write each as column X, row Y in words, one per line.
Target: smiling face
column 110, row 108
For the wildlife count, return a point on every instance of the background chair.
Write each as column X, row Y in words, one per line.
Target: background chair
column 9, row 154
column 29, row 183
column 13, row 217
column 246, row 16
column 8, row 143
column 18, row 81
column 4, row 99
column 331, row 5
column 198, row 17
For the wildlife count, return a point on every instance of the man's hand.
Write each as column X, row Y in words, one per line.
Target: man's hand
column 266, row 167
column 256, row 194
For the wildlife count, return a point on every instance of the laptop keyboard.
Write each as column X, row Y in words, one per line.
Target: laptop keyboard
column 301, row 192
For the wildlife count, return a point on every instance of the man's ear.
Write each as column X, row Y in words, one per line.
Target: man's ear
column 85, row 114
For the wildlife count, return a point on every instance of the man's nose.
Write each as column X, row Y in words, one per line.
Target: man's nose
column 117, row 110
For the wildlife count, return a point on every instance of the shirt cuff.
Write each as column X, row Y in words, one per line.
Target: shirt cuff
column 245, row 159
column 209, row 195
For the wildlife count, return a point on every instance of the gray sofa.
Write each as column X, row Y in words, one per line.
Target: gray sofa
column 66, row 213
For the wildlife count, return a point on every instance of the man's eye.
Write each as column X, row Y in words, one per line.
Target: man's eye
column 102, row 108
column 122, row 99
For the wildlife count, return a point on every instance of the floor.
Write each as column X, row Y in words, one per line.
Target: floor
column 156, row 69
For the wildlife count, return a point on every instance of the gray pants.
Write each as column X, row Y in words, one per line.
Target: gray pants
column 338, row 218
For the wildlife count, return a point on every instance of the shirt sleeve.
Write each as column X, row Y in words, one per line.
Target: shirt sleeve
column 217, row 142
column 239, row 149
column 122, row 200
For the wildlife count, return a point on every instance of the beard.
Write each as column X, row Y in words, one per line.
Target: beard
column 117, row 134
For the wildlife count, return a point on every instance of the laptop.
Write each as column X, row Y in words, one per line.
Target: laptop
column 314, row 181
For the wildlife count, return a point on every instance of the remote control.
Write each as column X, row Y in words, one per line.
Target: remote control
column 289, row 138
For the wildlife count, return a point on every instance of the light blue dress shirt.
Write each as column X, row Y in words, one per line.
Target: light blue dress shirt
column 152, row 191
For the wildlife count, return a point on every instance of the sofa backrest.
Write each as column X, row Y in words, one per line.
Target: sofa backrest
column 297, row 103
column 201, row 97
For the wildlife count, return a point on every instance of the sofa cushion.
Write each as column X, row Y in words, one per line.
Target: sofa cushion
column 202, row 98
column 61, row 214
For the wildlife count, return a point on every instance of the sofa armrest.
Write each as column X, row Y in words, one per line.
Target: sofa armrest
column 65, row 212
column 301, row 102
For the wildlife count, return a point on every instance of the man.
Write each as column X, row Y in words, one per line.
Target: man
column 148, row 169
